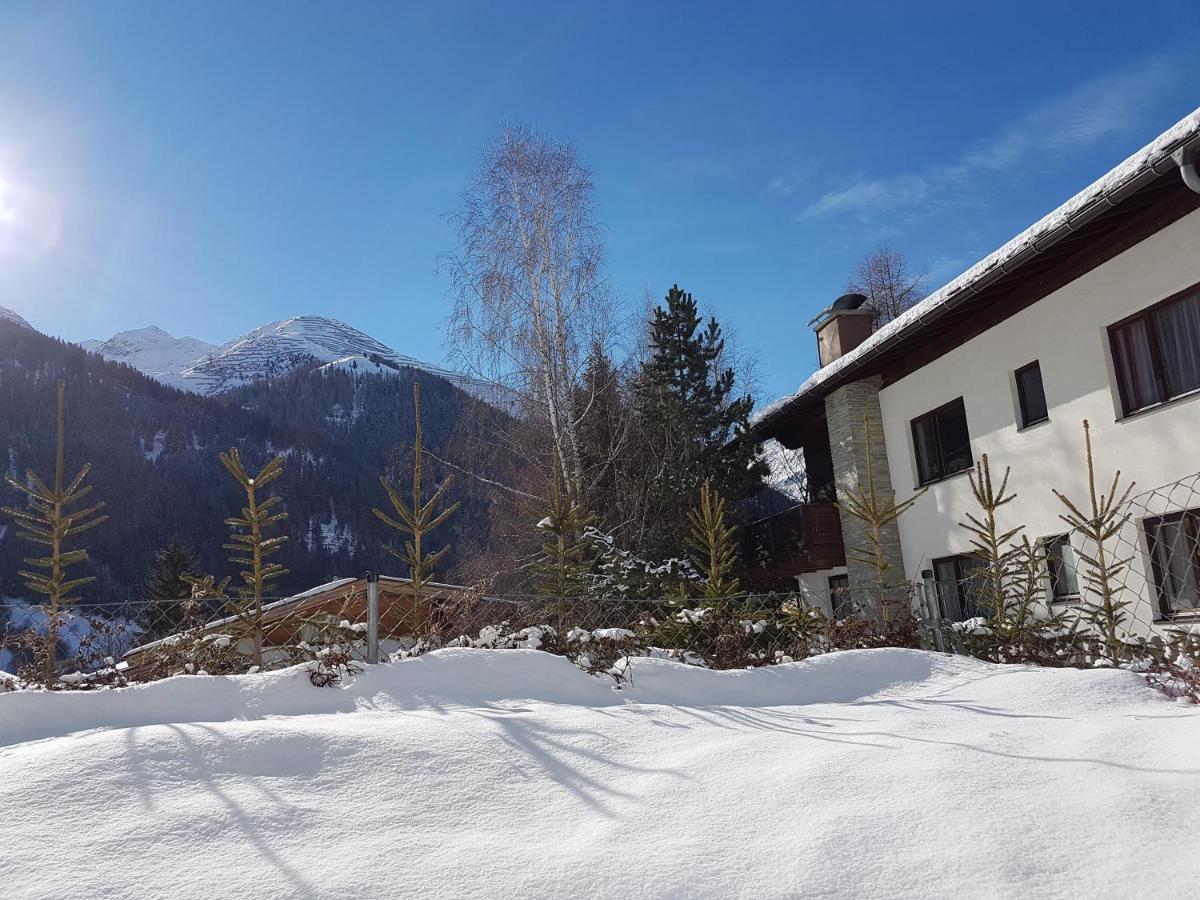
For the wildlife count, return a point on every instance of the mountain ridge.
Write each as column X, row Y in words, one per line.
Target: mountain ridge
column 267, row 352
column 7, row 315
column 152, row 351
column 154, row 451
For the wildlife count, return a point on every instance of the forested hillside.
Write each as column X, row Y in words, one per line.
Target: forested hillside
column 154, row 451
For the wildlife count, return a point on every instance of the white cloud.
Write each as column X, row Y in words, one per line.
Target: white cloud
column 1101, row 109
column 880, row 195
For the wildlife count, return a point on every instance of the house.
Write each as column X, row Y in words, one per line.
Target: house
column 1091, row 313
column 307, row 616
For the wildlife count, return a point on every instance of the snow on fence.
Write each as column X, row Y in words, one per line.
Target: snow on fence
column 340, row 626
column 1146, row 615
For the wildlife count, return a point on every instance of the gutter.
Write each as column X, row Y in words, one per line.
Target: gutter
column 1186, row 158
column 1183, row 156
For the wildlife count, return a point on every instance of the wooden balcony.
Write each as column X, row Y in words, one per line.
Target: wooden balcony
column 805, row 538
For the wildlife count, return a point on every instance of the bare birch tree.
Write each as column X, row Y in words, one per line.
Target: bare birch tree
column 890, row 286
column 529, row 299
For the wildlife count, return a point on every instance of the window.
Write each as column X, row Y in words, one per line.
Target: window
column 942, row 442
column 958, row 588
column 839, row 596
column 1174, row 542
column 1030, row 394
column 1062, row 568
column 1157, row 352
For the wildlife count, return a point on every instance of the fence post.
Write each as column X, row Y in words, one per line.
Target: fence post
column 933, row 607
column 372, row 617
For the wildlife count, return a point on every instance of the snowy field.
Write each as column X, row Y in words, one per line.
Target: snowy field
column 471, row 773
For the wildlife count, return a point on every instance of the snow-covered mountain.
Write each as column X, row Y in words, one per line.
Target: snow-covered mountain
column 7, row 315
column 153, row 351
column 270, row 351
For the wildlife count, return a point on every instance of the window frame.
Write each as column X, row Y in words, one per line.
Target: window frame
column 1022, row 402
column 1045, row 543
column 1150, row 526
column 932, row 416
column 841, row 589
column 1156, row 354
column 966, row 603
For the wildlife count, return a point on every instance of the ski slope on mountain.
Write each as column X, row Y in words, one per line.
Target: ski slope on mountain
column 468, row 773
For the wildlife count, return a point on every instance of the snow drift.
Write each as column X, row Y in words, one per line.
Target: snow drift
column 470, row 773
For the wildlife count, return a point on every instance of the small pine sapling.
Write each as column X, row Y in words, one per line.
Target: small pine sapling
column 249, row 544
column 714, row 552
column 562, row 567
column 1104, row 610
column 418, row 517
column 50, row 520
column 724, row 631
column 991, row 544
column 865, row 502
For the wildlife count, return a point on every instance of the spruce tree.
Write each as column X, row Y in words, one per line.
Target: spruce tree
column 561, row 566
column 990, row 542
column 250, row 544
column 866, row 501
column 418, row 517
column 604, row 445
column 50, row 520
column 691, row 425
column 1103, row 608
column 714, row 551
column 168, row 589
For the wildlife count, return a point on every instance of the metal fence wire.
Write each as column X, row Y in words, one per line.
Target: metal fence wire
column 361, row 622
column 1147, row 607
column 1152, row 612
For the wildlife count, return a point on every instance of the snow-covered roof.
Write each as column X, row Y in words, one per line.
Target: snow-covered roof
column 1143, row 166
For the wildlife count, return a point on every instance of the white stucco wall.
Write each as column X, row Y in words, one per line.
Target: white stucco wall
column 1066, row 333
column 815, row 587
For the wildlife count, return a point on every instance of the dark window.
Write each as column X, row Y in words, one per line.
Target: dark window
column 1031, row 395
column 958, row 587
column 1174, row 542
column 1063, row 570
column 942, row 442
column 1157, row 352
column 839, row 596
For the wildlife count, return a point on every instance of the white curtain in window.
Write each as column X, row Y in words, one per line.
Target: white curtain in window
column 1136, row 364
column 1178, row 326
column 1175, row 548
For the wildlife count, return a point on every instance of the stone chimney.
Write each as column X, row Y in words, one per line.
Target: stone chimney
column 842, row 327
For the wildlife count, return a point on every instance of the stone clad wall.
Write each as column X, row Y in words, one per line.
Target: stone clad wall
column 844, row 412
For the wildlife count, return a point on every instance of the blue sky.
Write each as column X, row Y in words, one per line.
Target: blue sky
column 208, row 167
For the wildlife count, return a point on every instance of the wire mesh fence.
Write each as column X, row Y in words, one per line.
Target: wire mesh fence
column 1148, row 615
column 331, row 628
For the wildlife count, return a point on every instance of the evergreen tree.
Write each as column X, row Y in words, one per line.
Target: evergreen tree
column 691, row 426
column 339, row 428
column 50, row 520
column 714, row 551
column 250, row 544
column 603, row 432
column 992, row 544
column 168, row 589
column 419, row 517
column 561, row 566
column 865, row 501
column 1103, row 609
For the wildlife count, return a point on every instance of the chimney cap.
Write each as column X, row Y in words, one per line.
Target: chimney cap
column 851, row 302
column 848, row 301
